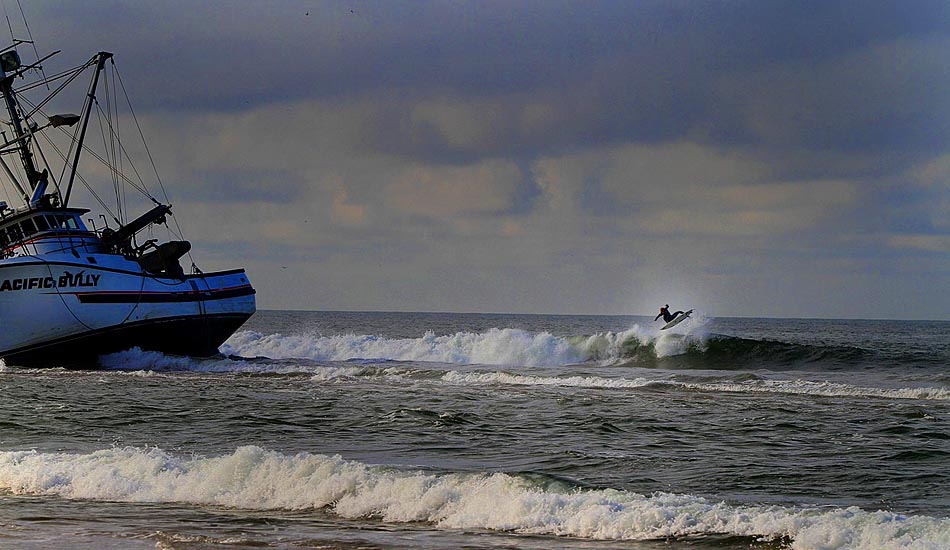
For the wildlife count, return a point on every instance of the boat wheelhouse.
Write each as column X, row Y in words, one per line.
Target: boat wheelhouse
column 35, row 232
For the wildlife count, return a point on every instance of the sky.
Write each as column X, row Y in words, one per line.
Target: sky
column 742, row 158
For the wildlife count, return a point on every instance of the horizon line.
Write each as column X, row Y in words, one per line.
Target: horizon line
column 439, row 312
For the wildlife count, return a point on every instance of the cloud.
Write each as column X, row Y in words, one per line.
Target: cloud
column 346, row 213
column 546, row 156
column 929, row 243
column 689, row 189
column 446, row 192
column 881, row 95
column 935, row 172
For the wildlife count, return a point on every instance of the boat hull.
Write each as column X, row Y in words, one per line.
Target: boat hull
column 198, row 336
column 79, row 311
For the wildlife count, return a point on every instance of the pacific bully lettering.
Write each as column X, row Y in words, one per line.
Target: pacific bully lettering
column 66, row 280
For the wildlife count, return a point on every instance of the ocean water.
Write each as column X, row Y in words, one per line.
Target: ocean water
column 406, row 430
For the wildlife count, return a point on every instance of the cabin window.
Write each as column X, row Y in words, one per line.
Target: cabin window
column 28, row 227
column 4, row 240
column 67, row 222
column 41, row 223
column 15, row 233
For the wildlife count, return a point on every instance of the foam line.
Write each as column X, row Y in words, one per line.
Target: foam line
column 257, row 479
column 497, row 346
column 147, row 361
column 139, row 361
column 795, row 387
column 824, row 389
column 504, row 378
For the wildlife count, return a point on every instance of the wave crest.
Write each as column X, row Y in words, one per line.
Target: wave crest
column 505, row 346
column 255, row 478
column 636, row 347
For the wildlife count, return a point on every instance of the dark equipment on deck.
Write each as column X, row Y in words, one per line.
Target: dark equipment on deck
column 164, row 259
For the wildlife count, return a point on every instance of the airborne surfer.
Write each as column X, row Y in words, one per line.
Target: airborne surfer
column 666, row 315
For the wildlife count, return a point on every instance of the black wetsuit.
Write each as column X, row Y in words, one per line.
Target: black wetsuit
column 665, row 314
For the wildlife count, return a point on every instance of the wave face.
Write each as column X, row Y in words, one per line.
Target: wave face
column 496, row 346
column 257, row 479
column 637, row 346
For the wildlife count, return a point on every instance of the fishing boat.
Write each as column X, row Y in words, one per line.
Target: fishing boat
column 70, row 292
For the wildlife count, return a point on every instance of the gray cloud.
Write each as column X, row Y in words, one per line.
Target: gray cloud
column 760, row 158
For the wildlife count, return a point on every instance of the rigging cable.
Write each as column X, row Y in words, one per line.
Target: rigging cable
column 161, row 185
column 72, row 76
column 119, row 157
column 57, row 76
column 29, row 34
column 82, row 180
column 141, row 134
column 115, row 185
column 140, row 187
column 49, row 169
column 9, row 25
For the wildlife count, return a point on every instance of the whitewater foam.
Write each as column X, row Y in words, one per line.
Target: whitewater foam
column 257, row 479
column 494, row 347
column 145, row 363
column 823, row 388
column 461, row 378
column 136, row 360
column 505, row 346
column 793, row 387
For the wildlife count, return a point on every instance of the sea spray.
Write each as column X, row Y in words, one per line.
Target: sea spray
column 496, row 346
column 137, row 359
column 257, row 479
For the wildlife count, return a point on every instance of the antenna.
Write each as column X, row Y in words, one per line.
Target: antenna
column 9, row 26
column 29, row 35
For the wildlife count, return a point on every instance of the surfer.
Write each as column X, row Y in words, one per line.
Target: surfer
column 666, row 315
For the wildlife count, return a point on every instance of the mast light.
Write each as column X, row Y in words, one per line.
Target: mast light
column 9, row 61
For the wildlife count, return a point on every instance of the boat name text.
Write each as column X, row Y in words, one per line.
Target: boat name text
column 66, row 280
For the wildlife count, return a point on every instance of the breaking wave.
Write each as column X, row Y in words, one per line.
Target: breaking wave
column 494, row 347
column 497, row 346
column 692, row 349
column 257, row 479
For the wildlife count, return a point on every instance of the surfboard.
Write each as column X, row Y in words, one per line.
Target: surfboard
column 677, row 320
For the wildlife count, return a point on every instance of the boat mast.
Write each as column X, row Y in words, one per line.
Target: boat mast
column 10, row 62
column 87, row 109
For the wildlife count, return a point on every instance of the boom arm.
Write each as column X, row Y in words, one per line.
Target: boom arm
column 125, row 233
